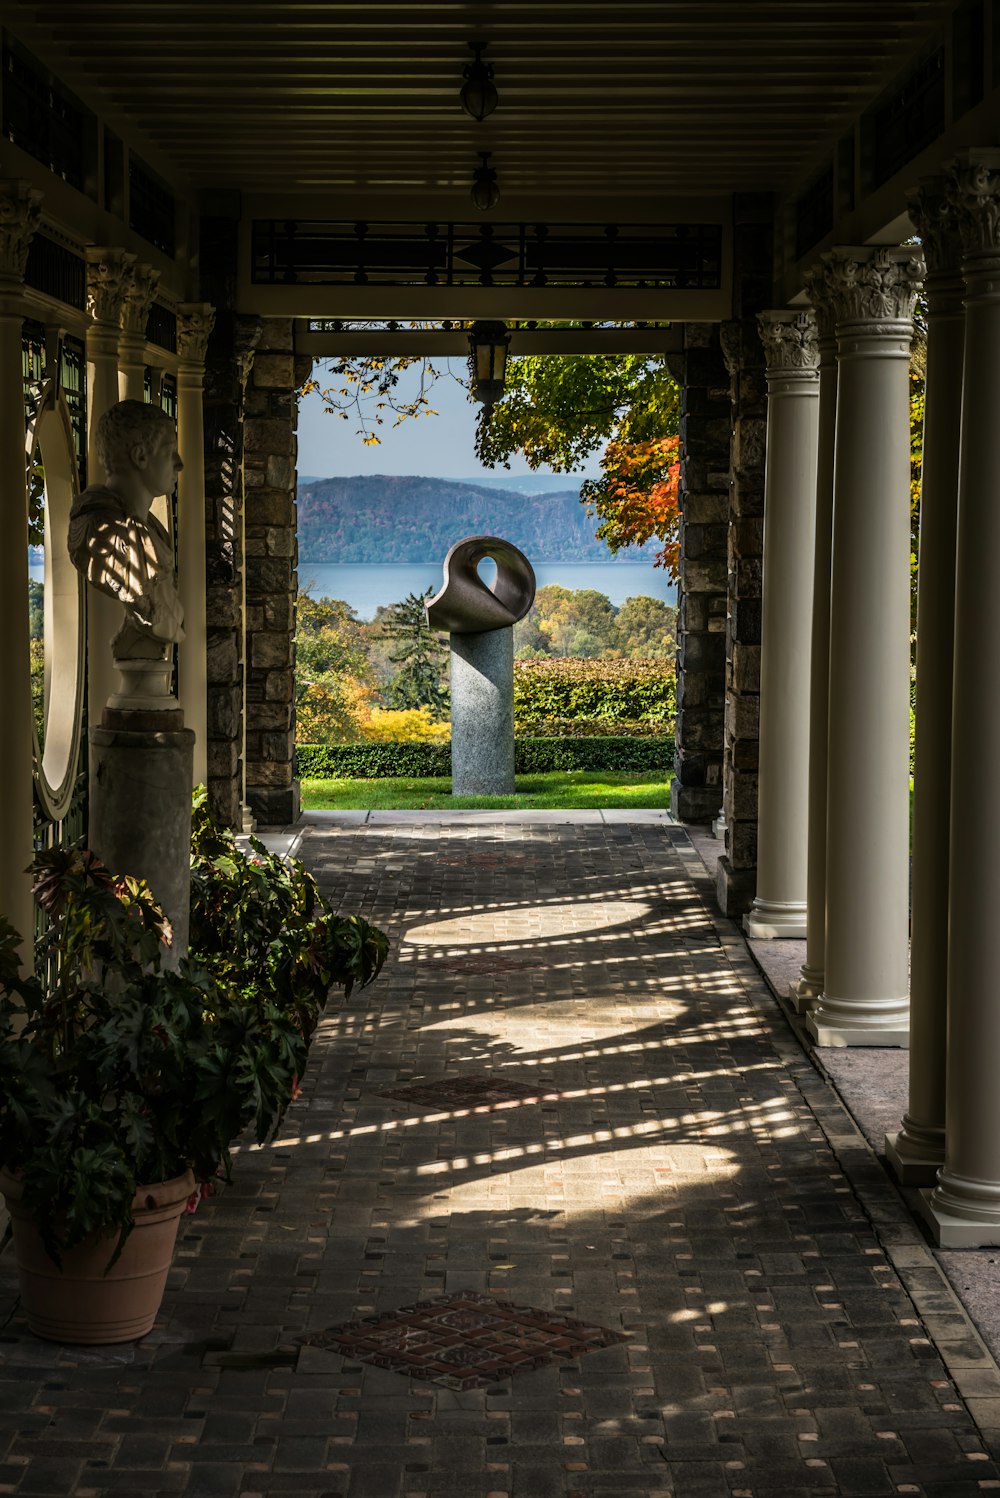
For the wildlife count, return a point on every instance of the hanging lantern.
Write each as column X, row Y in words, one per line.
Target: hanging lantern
column 488, row 346
column 479, row 96
column 485, row 188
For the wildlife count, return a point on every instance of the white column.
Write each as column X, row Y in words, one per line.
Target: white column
column 789, row 339
column 132, row 342
column 917, row 1150
column 865, row 999
column 20, row 207
column 804, row 993
column 964, row 1209
column 194, row 325
column 109, row 277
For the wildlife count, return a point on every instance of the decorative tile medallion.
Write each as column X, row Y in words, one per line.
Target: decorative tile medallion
column 464, row 1341
column 476, row 1091
column 488, row 965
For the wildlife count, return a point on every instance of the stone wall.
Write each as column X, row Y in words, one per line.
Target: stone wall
column 229, row 350
column 271, row 574
column 744, row 354
column 701, row 375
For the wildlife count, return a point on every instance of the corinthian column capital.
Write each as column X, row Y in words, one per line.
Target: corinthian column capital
column 934, row 215
column 138, row 299
column 817, row 289
column 973, row 191
column 109, row 277
column 874, row 286
column 20, row 211
column 195, row 321
column 790, row 340
column 245, row 340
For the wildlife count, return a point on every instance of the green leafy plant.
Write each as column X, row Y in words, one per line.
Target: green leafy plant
column 261, row 927
column 533, row 755
column 124, row 1073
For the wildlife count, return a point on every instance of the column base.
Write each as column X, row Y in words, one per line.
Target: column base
column 807, row 992
column 914, row 1161
column 734, row 888
column 772, row 919
column 962, row 1213
column 694, row 803
column 884, row 1022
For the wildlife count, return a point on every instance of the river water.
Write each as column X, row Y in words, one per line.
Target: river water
column 368, row 585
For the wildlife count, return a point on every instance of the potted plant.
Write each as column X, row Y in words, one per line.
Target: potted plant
column 122, row 1085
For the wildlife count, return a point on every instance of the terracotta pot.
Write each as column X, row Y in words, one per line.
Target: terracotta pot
column 85, row 1302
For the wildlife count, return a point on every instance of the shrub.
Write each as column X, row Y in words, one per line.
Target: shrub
column 532, row 756
column 616, row 690
column 404, row 725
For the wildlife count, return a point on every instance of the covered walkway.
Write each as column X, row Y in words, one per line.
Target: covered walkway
column 570, row 1110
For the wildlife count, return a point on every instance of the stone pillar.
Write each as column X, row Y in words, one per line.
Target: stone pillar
column 736, row 876
column 20, row 209
column 865, row 998
column 700, row 373
column 194, row 325
column 110, row 274
column 964, row 1209
column 269, row 448
column 482, row 713
column 230, row 358
column 132, row 342
column 779, row 907
column 917, row 1150
column 809, row 986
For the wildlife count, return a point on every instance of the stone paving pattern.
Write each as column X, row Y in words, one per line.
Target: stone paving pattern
column 685, row 1179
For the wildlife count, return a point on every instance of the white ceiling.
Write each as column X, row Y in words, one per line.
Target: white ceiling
column 597, row 97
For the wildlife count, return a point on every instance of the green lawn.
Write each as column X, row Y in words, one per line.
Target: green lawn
column 560, row 790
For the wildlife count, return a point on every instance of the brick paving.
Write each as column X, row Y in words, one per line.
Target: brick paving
column 570, row 1097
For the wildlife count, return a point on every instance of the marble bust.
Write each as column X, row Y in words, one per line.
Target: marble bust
column 123, row 550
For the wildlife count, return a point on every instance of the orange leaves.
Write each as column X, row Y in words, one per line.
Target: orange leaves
column 636, row 497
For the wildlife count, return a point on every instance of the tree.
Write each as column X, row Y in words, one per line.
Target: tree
column 558, row 410
column 566, row 622
column 420, row 654
column 334, row 680
column 645, row 628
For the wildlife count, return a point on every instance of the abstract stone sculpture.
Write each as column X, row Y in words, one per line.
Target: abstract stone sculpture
column 124, row 551
column 480, row 619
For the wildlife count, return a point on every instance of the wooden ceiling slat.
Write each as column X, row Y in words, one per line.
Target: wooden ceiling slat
column 712, row 94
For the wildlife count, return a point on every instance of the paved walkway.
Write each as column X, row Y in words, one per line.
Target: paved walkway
column 652, row 1253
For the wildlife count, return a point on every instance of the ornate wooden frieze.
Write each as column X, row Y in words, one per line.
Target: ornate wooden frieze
column 671, row 256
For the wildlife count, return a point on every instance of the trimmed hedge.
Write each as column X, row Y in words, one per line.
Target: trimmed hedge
column 532, row 756
column 619, row 690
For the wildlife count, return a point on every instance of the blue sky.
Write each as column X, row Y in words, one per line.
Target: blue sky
column 435, row 446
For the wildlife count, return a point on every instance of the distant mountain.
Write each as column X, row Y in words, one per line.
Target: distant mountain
column 377, row 518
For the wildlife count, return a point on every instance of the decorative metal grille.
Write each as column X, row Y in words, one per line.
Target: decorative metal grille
column 151, row 207
column 40, row 118
column 315, row 253
column 73, row 383
column 161, row 328
column 814, row 213
column 54, row 269
column 909, row 119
